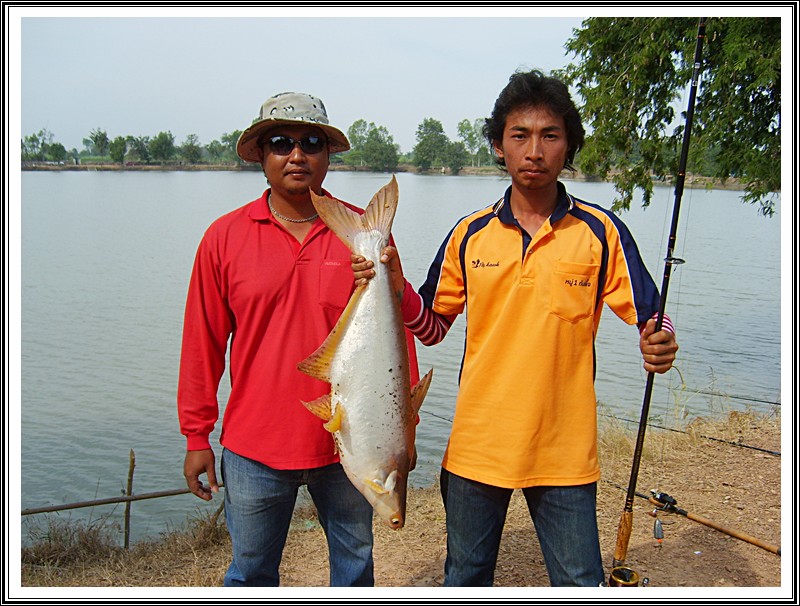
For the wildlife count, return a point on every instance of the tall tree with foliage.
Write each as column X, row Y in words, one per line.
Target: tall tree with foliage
column 34, row 147
column 455, row 156
column 431, row 144
column 229, row 140
column 215, row 150
column 380, row 151
column 631, row 74
column 191, row 150
column 357, row 134
column 99, row 142
column 162, row 147
column 471, row 133
column 140, row 148
column 117, row 149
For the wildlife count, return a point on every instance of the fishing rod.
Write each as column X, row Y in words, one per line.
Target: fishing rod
column 621, row 575
column 668, row 504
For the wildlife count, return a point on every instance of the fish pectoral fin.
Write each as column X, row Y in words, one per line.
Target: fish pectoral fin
column 419, row 391
column 376, row 486
column 321, row 407
column 391, row 481
column 384, row 487
column 335, row 421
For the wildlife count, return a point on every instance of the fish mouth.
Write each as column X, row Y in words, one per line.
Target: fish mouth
column 395, row 521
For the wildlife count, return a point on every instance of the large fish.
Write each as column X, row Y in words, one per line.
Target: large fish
column 371, row 410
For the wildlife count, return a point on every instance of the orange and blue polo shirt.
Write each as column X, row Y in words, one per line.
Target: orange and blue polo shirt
column 526, row 407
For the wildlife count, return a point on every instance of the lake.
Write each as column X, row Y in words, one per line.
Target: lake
column 106, row 258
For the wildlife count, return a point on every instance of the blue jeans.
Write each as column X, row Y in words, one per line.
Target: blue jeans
column 259, row 502
column 564, row 517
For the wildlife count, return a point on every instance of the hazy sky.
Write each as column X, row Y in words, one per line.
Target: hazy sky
column 208, row 76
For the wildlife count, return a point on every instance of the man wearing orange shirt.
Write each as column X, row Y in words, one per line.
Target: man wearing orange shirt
column 532, row 271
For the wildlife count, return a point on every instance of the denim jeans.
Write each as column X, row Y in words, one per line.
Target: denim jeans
column 564, row 517
column 259, row 502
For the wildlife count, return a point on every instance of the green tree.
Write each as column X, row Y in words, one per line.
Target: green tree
column 471, row 134
column 229, row 140
column 117, row 149
column 162, row 147
column 456, row 156
column 431, row 144
column 380, row 151
column 357, row 134
column 56, row 152
column 215, row 150
column 34, row 147
column 140, row 148
column 631, row 73
column 99, row 142
column 191, row 150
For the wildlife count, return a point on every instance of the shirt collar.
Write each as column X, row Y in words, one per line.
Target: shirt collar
column 259, row 209
column 564, row 204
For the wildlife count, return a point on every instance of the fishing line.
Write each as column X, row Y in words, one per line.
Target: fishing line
column 719, row 394
column 739, row 444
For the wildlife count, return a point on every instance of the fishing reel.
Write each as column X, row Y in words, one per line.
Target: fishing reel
column 622, row 576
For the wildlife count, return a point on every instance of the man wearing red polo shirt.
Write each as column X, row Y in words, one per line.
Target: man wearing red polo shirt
column 272, row 279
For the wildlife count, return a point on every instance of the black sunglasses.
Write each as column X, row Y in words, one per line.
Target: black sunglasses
column 283, row 145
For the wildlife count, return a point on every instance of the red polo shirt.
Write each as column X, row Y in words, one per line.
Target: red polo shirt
column 276, row 300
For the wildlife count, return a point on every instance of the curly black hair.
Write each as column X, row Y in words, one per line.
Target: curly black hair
column 534, row 89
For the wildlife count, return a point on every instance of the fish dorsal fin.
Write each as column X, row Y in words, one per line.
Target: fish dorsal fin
column 419, row 391
column 347, row 224
column 318, row 364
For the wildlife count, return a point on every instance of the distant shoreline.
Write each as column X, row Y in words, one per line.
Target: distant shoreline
column 692, row 181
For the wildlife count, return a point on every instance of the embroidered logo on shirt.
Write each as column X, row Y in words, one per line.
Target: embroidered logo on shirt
column 477, row 263
column 576, row 282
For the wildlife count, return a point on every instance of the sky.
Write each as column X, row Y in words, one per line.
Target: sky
column 209, row 75
column 206, row 71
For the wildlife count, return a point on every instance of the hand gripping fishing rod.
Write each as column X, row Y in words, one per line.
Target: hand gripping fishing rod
column 621, row 575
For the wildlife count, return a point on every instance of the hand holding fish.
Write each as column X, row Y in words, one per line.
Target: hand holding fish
column 658, row 348
column 364, row 272
column 199, row 462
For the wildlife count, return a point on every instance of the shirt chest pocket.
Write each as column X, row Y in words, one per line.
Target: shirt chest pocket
column 335, row 284
column 573, row 290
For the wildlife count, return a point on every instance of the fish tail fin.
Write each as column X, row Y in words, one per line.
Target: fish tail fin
column 419, row 391
column 347, row 224
column 382, row 208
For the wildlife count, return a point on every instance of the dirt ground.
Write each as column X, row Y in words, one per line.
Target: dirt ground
column 727, row 485
column 733, row 488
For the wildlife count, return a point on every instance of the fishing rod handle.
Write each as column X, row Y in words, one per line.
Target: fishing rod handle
column 623, row 537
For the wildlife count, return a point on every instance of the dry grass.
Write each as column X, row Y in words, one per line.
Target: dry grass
column 736, row 487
